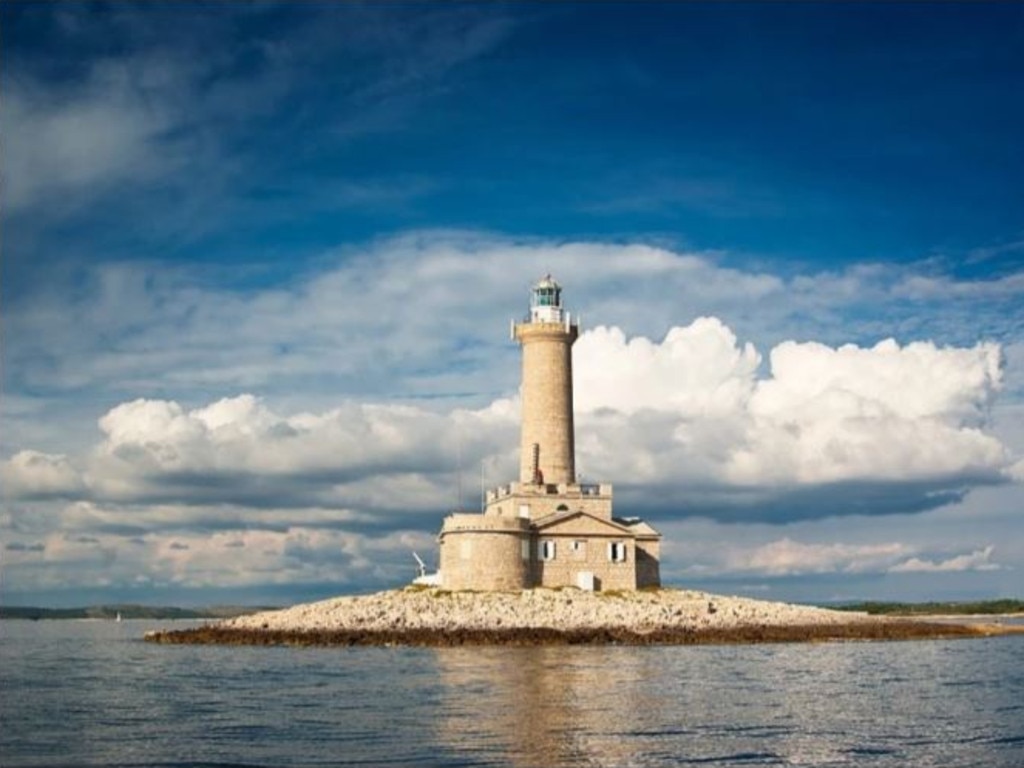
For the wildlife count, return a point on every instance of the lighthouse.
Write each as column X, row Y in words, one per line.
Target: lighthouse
column 547, row 529
column 547, row 444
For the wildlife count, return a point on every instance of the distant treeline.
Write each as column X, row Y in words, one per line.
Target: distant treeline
column 126, row 612
column 935, row 609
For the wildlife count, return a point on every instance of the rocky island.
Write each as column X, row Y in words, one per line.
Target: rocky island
column 546, row 561
column 436, row 617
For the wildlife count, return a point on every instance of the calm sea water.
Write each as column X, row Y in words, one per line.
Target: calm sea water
column 78, row 693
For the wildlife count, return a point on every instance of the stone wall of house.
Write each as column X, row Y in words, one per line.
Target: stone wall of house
column 578, row 552
column 485, row 553
column 648, row 563
column 492, row 552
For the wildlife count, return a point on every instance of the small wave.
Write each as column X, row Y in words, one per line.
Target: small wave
column 738, row 758
column 869, row 751
column 1006, row 740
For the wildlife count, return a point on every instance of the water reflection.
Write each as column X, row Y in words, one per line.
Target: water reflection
column 884, row 704
column 546, row 706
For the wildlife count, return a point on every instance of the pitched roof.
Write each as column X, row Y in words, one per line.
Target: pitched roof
column 610, row 527
column 637, row 526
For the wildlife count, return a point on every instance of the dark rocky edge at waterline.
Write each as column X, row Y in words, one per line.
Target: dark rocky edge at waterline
column 521, row 636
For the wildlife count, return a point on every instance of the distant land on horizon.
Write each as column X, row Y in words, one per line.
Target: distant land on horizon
column 936, row 608
column 130, row 611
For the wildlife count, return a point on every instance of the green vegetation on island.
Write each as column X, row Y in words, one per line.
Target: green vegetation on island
column 129, row 611
column 978, row 608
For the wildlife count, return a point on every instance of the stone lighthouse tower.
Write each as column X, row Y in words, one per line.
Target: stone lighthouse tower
column 547, row 529
column 547, row 445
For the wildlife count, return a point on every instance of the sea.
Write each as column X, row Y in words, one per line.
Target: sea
column 92, row 693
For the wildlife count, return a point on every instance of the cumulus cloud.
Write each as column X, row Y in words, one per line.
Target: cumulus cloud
column 886, row 412
column 360, row 466
column 32, row 474
column 690, row 417
column 695, row 371
column 694, row 409
column 978, row 560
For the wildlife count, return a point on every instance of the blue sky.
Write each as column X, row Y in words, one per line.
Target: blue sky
column 259, row 258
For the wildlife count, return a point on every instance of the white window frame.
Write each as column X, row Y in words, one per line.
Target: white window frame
column 548, row 551
column 617, row 551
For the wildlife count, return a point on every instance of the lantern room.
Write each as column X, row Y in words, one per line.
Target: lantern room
column 546, row 302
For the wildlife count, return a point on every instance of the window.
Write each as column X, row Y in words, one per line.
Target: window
column 617, row 551
column 547, row 297
column 547, row 550
column 524, row 510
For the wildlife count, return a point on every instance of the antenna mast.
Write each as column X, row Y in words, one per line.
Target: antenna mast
column 458, row 467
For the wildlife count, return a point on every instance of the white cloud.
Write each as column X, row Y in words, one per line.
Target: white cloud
column 98, row 133
column 921, row 287
column 822, row 415
column 376, row 378
column 164, row 108
column 32, row 474
column 978, row 560
column 690, row 409
column 242, row 434
column 419, row 315
column 698, row 371
column 887, row 412
column 423, row 314
column 786, row 557
column 918, row 380
column 370, row 463
column 222, row 560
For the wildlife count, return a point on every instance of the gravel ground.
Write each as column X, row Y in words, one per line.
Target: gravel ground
column 563, row 610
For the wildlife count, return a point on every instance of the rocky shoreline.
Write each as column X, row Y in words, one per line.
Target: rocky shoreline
column 434, row 617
